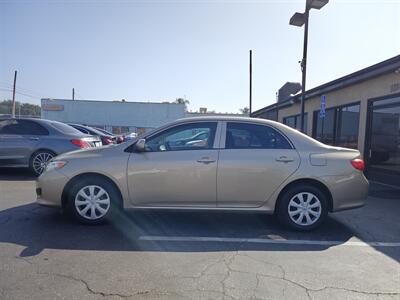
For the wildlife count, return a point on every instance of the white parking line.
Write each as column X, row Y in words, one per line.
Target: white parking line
column 265, row 241
column 385, row 184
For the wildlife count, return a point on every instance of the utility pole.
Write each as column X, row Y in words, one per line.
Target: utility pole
column 251, row 82
column 73, row 94
column 13, row 100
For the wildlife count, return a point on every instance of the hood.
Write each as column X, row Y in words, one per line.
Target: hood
column 88, row 152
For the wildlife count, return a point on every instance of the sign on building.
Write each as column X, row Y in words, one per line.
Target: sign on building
column 322, row 110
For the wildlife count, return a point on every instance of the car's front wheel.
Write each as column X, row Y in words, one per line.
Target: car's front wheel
column 302, row 207
column 93, row 200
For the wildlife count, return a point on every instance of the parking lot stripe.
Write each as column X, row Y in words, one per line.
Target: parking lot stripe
column 266, row 241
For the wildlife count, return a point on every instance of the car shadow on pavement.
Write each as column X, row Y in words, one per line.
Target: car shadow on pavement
column 16, row 174
column 39, row 228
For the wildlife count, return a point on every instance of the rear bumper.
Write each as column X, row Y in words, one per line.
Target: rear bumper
column 348, row 191
column 49, row 188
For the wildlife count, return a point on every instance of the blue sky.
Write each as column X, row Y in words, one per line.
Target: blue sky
column 161, row 50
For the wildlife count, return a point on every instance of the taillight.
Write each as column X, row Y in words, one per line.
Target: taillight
column 80, row 143
column 358, row 164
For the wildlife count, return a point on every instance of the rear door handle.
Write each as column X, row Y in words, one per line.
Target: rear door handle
column 33, row 138
column 284, row 159
column 205, row 160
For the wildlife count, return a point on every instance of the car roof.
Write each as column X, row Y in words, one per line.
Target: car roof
column 39, row 120
column 300, row 140
column 228, row 118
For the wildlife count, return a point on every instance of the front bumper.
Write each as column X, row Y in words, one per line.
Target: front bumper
column 49, row 188
column 348, row 191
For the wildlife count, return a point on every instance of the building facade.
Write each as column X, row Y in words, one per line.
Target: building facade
column 114, row 116
column 360, row 110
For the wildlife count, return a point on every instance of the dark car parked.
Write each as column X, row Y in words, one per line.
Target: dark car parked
column 33, row 142
column 119, row 138
column 106, row 139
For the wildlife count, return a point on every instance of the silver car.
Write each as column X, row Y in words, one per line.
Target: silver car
column 32, row 142
column 234, row 164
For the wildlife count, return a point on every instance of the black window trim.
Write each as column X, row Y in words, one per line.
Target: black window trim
column 295, row 116
column 315, row 116
column 368, row 127
column 292, row 147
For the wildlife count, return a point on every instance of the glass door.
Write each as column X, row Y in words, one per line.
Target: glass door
column 383, row 151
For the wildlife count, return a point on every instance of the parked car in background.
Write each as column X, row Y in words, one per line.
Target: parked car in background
column 33, row 142
column 120, row 138
column 238, row 164
column 106, row 139
column 130, row 136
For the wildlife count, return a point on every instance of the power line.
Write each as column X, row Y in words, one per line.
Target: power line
column 27, row 95
column 8, row 85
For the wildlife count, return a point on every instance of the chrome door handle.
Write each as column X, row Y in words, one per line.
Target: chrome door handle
column 205, row 160
column 284, row 159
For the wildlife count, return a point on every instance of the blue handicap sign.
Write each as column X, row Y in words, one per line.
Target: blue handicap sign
column 322, row 110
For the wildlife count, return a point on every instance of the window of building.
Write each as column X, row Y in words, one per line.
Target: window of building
column 194, row 136
column 339, row 126
column 252, row 136
column 270, row 115
column 295, row 121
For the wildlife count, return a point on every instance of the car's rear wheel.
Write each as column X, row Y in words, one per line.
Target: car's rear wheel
column 302, row 207
column 93, row 200
column 38, row 161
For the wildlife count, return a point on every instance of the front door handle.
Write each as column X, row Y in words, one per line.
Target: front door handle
column 284, row 159
column 205, row 160
column 33, row 138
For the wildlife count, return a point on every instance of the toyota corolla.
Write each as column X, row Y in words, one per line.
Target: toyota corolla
column 226, row 164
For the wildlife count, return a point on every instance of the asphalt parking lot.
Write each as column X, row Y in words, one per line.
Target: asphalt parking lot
column 195, row 255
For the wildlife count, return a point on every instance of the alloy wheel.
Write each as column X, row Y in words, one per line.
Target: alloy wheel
column 40, row 160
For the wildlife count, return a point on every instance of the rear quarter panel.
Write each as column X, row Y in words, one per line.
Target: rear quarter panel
column 348, row 186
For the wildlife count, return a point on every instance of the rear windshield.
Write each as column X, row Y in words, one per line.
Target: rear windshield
column 104, row 131
column 96, row 132
column 64, row 128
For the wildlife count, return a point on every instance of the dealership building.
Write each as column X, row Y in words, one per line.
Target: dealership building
column 360, row 110
column 114, row 116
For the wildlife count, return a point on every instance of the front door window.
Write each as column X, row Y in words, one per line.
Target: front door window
column 196, row 136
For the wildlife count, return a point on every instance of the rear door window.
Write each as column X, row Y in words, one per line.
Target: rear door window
column 253, row 136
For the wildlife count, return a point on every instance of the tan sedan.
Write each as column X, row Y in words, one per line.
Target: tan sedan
column 210, row 163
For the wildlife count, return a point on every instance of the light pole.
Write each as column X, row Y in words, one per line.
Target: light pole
column 300, row 19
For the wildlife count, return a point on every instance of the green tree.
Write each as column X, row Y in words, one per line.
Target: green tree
column 182, row 101
column 244, row 111
column 25, row 109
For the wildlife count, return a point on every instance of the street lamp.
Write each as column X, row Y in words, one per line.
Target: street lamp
column 300, row 19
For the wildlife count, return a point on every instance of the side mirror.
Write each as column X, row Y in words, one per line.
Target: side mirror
column 140, row 145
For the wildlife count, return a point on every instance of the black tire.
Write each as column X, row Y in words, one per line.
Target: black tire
column 115, row 201
column 282, row 207
column 44, row 156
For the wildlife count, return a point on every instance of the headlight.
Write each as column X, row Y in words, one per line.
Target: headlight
column 55, row 164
